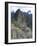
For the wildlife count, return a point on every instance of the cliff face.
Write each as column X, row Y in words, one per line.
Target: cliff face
column 21, row 24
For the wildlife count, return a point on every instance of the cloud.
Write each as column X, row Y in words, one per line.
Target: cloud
column 24, row 9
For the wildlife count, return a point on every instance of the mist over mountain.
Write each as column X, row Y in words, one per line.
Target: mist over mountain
column 22, row 16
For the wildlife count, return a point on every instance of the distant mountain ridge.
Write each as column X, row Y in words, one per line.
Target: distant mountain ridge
column 20, row 15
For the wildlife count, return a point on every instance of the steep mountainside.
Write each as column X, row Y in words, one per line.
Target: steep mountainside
column 21, row 24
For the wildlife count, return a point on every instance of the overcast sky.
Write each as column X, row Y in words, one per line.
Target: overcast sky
column 24, row 9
